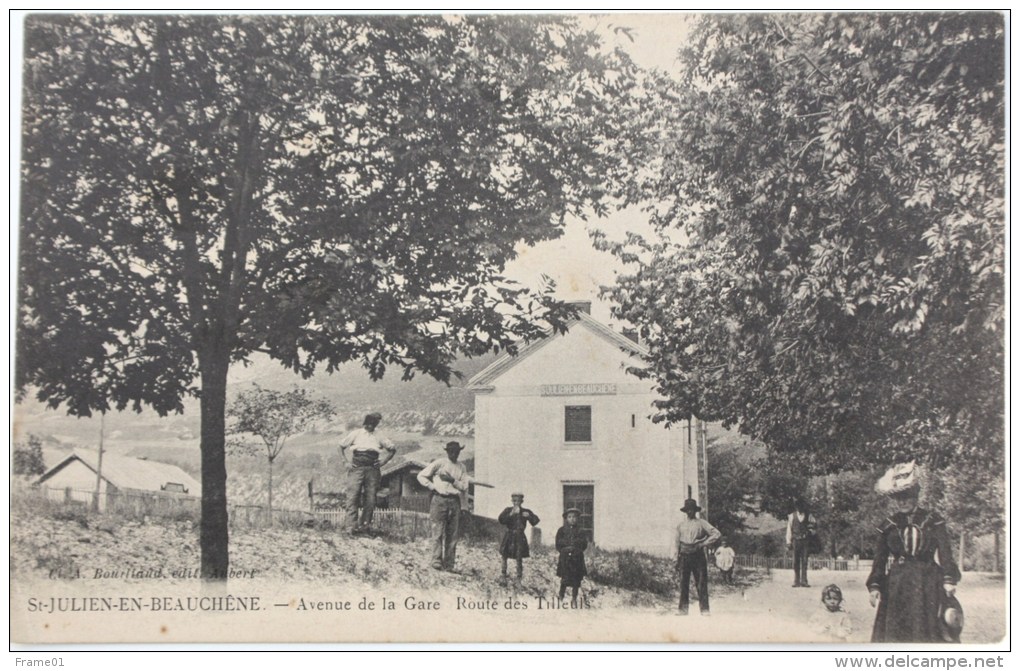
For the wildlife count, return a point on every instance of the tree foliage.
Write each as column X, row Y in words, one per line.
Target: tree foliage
column 27, row 458
column 851, row 512
column 780, row 485
column 320, row 189
column 828, row 269
column 272, row 417
column 971, row 494
column 733, row 485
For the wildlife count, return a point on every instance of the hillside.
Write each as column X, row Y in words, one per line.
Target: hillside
column 420, row 409
column 628, row 596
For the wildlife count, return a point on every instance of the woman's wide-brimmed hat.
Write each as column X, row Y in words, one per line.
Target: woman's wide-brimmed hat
column 951, row 619
column 690, row 506
column 899, row 480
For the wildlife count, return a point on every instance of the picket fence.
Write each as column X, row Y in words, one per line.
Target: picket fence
column 814, row 563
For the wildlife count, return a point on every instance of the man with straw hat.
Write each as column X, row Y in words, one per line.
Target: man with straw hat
column 448, row 480
column 693, row 537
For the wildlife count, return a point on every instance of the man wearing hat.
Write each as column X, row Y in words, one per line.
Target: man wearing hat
column 913, row 576
column 364, row 470
column 693, row 536
column 448, row 479
column 800, row 530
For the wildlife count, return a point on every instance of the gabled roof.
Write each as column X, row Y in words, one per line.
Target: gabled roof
column 130, row 473
column 507, row 361
column 421, row 458
column 405, row 461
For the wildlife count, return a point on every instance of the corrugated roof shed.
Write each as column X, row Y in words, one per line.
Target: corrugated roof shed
column 130, row 473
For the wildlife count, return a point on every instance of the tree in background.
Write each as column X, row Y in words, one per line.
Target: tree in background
column 853, row 511
column 779, row 488
column 827, row 273
column 272, row 417
column 320, row 189
column 27, row 458
column 733, row 485
column 971, row 495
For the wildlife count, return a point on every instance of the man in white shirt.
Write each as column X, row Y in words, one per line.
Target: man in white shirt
column 693, row 537
column 800, row 526
column 448, row 480
column 364, row 464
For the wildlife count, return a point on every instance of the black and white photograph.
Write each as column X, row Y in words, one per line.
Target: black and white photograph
column 511, row 328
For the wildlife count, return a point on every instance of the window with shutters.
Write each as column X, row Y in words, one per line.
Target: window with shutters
column 577, row 423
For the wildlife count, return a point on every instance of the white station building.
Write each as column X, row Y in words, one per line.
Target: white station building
column 564, row 423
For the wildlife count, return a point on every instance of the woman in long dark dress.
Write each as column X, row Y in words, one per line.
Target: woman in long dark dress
column 515, row 542
column 913, row 573
column 571, row 542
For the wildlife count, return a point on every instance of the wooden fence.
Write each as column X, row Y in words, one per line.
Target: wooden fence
column 814, row 563
column 407, row 524
column 131, row 503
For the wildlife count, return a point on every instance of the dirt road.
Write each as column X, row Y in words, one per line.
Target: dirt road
column 778, row 612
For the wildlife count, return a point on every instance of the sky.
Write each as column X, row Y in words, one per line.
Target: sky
column 576, row 267
column 571, row 261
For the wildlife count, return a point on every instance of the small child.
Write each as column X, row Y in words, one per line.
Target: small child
column 832, row 620
column 724, row 558
column 515, row 542
column 571, row 542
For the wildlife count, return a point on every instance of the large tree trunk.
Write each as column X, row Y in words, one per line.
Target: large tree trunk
column 213, row 539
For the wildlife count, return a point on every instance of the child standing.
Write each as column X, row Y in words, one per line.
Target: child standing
column 571, row 542
column 515, row 542
column 832, row 620
column 724, row 559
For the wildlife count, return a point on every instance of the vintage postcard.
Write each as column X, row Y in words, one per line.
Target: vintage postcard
column 466, row 328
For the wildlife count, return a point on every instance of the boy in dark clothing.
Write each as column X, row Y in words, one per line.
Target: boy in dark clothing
column 515, row 542
column 571, row 542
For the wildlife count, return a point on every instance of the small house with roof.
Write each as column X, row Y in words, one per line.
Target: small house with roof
column 567, row 425
column 398, row 486
column 75, row 477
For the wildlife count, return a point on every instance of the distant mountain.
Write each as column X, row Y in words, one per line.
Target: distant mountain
column 351, row 386
column 419, row 408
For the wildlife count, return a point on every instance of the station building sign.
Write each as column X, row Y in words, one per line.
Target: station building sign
column 584, row 389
